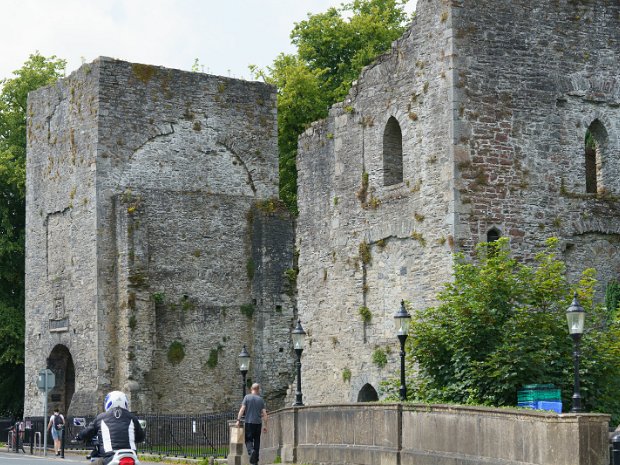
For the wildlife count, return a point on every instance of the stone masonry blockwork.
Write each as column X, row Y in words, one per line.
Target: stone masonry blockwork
column 493, row 101
column 152, row 258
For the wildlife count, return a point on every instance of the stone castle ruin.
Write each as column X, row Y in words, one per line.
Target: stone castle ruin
column 471, row 128
column 155, row 248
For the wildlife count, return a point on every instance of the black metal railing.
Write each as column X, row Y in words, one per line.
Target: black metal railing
column 204, row 435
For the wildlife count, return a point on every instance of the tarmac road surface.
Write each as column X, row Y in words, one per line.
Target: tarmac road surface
column 11, row 458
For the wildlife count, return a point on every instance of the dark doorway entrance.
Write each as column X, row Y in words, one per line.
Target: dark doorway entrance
column 367, row 394
column 61, row 363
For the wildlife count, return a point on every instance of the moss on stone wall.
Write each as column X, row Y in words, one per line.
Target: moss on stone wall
column 176, row 352
column 142, row 72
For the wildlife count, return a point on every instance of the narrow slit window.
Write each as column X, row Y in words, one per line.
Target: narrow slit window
column 392, row 153
column 595, row 143
column 591, row 184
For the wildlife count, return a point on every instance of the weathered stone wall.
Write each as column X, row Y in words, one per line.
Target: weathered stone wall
column 433, row 434
column 530, row 81
column 189, row 243
column 493, row 103
column 61, row 231
column 364, row 244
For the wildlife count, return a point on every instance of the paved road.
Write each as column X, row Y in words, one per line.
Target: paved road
column 11, row 458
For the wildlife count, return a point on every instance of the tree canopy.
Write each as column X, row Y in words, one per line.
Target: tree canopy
column 501, row 324
column 332, row 49
column 37, row 71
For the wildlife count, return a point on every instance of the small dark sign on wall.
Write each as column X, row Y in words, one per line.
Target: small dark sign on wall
column 56, row 397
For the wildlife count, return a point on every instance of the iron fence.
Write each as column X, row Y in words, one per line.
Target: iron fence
column 194, row 436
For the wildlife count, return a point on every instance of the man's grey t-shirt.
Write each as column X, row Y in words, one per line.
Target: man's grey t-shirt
column 254, row 405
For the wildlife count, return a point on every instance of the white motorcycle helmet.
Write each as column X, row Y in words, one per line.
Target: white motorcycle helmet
column 115, row 399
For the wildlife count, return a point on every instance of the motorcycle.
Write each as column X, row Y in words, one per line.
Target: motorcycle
column 123, row 457
column 120, row 457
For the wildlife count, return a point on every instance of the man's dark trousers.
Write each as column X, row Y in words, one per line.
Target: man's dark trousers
column 252, row 440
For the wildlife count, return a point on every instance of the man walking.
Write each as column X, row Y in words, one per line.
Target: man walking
column 253, row 407
column 56, row 426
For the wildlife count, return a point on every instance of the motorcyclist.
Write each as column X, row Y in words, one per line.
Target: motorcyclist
column 117, row 428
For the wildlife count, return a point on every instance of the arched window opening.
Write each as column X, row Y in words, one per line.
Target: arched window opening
column 392, row 153
column 493, row 235
column 594, row 143
column 367, row 394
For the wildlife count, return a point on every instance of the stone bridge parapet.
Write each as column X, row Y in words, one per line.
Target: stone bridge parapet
column 421, row 434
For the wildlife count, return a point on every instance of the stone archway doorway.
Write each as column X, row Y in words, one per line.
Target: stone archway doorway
column 367, row 394
column 60, row 362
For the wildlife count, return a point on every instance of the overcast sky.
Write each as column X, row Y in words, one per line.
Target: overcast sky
column 224, row 35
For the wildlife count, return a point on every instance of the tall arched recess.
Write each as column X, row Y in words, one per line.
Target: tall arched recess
column 367, row 394
column 60, row 362
column 392, row 153
column 595, row 142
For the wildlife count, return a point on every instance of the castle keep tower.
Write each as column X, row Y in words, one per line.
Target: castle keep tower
column 155, row 248
column 473, row 127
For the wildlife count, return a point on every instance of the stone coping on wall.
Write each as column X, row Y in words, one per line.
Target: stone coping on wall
column 437, row 434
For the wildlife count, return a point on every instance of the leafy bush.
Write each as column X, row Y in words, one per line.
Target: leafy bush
column 501, row 324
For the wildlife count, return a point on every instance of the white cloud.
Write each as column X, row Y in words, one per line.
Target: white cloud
column 226, row 36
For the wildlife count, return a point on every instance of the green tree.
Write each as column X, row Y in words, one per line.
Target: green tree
column 37, row 71
column 612, row 296
column 501, row 324
column 332, row 48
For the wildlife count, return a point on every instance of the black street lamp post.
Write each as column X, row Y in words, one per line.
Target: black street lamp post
column 402, row 319
column 575, row 316
column 299, row 337
column 244, row 365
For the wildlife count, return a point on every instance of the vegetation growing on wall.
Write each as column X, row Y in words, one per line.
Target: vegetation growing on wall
column 247, row 310
column 133, row 322
column 250, row 268
column 158, row 297
column 187, row 304
column 273, row 205
column 214, row 356
column 379, row 357
column 362, row 193
column 291, row 275
column 365, row 253
column 130, row 200
column 176, row 352
column 365, row 313
column 144, row 73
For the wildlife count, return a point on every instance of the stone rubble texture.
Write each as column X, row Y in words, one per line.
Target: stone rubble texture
column 151, row 224
column 493, row 100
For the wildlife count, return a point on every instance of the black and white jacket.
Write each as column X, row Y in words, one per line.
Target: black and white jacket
column 117, row 429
